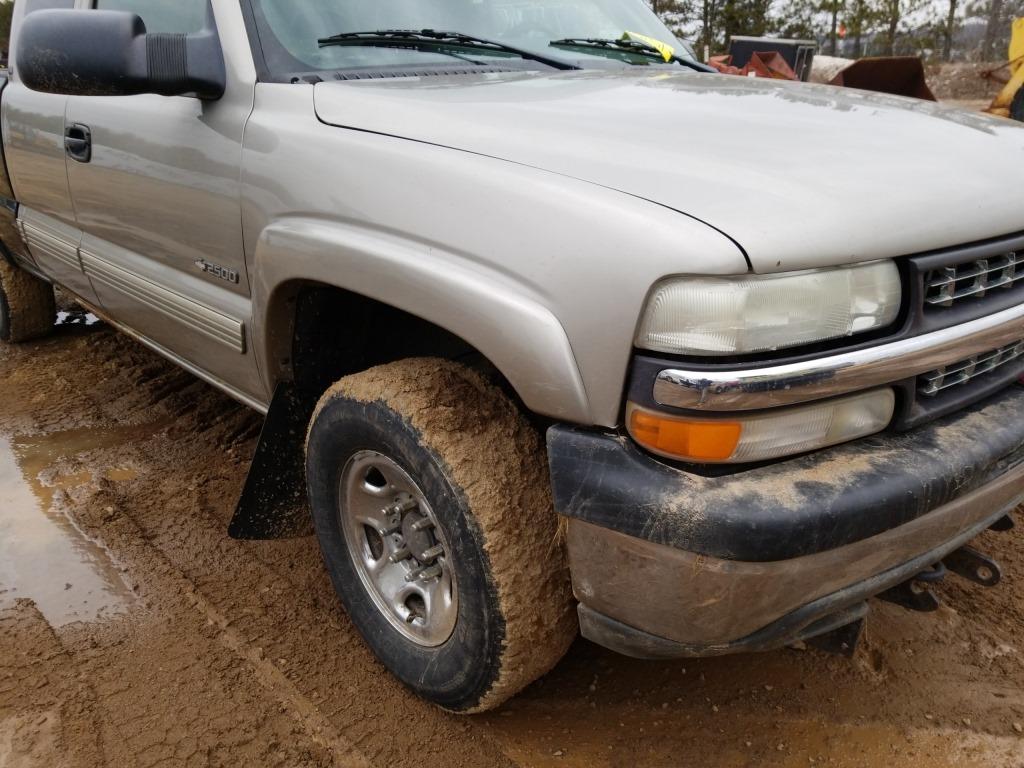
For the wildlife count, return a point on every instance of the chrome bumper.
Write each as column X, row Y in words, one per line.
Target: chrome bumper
column 666, row 602
column 767, row 387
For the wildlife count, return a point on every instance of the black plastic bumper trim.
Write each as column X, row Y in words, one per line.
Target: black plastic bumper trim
column 810, row 504
column 812, row 620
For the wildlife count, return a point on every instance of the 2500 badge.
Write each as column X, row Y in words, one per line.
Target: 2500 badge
column 223, row 273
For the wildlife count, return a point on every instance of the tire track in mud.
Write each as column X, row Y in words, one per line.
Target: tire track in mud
column 276, row 608
column 47, row 712
column 173, row 582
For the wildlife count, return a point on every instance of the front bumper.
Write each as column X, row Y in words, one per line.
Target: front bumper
column 666, row 562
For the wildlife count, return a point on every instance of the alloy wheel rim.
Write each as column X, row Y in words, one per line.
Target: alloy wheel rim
column 398, row 549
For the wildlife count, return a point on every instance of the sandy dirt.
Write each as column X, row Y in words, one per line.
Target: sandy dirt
column 962, row 81
column 134, row 632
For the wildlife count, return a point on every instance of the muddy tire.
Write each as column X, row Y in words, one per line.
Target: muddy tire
column 1017, row 106
column 429, row 446
column 27, row 305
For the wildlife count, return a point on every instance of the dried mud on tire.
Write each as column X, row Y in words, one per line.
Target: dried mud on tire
column 28, row 303
column 497, row 460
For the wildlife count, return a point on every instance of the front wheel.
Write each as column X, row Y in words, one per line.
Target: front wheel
column 432, row 504
column 1017, row 105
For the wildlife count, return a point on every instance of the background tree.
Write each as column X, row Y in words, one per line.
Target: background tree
column 833, row 8
column 861, row 17
column 897, row 16
column 949, row 31
column 800, row 20
column 675, row 13
column 745, row 17
column 710, row 12
column 994, row 18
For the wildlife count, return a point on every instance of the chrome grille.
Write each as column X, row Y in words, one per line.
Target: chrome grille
column 972, row 279
column 965, row 371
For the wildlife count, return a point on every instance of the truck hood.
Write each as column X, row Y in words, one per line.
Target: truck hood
column 798, row 175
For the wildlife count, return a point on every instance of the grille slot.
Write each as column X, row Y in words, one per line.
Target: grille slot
column 966, row 371
column 946, row 286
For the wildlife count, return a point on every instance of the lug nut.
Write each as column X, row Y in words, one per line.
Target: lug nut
column 433, row 553
column 425, row 573
column 401, row 507
column 433, row 572
column 422, row 525
column 400, row 555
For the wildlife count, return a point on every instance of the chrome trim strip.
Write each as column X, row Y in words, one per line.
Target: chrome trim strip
column 190, row 314
column 769, row 387
column 50, row 245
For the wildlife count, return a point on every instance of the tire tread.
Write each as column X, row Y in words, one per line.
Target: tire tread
column 498, row 460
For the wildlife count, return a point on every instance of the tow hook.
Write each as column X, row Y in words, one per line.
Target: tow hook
column 970, row 564
column 966, row 562
column 914, row 594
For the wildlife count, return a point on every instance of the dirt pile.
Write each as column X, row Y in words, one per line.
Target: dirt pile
column 961, row 81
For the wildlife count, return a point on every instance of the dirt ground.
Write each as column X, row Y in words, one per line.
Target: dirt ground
column 134, row 632
column 962, row 81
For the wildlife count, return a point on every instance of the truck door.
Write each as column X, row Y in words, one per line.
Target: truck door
column 157, row 200
column 34, row 144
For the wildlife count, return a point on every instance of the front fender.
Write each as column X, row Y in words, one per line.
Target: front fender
column 520, row 337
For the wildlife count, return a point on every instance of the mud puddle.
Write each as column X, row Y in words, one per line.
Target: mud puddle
column 43, row 555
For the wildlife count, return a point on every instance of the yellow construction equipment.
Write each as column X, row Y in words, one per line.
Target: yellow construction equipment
column 1010, row 101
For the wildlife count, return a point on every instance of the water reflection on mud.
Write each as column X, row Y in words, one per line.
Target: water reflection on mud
column 43, row 556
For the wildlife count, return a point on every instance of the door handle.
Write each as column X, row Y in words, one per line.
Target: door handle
column 78, row 142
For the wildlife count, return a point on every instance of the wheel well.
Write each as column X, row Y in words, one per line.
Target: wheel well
column 336, row 333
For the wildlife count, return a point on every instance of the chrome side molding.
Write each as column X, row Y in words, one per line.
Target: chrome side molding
column 50, row 244
column 188, row 313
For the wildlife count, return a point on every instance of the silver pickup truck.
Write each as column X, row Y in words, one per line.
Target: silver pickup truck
column 555, row 330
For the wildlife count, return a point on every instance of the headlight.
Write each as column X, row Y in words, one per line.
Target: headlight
column 740, row 438
column 759, row 313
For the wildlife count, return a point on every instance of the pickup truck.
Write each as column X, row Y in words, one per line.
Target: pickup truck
column 555, row 330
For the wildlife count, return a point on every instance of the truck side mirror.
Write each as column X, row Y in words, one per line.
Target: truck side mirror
column 109, row 53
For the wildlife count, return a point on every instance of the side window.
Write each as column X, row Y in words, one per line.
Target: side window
column 185, row 16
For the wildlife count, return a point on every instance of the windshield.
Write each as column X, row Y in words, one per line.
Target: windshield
column 289, row 30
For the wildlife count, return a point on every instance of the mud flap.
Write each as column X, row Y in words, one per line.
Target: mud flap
column 273, row 504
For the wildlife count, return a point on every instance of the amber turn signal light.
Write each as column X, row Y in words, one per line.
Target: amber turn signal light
column 745, row 437
column 697, row 440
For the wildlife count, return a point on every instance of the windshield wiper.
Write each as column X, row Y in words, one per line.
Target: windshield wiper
column 436, row 39
column 627, row 46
